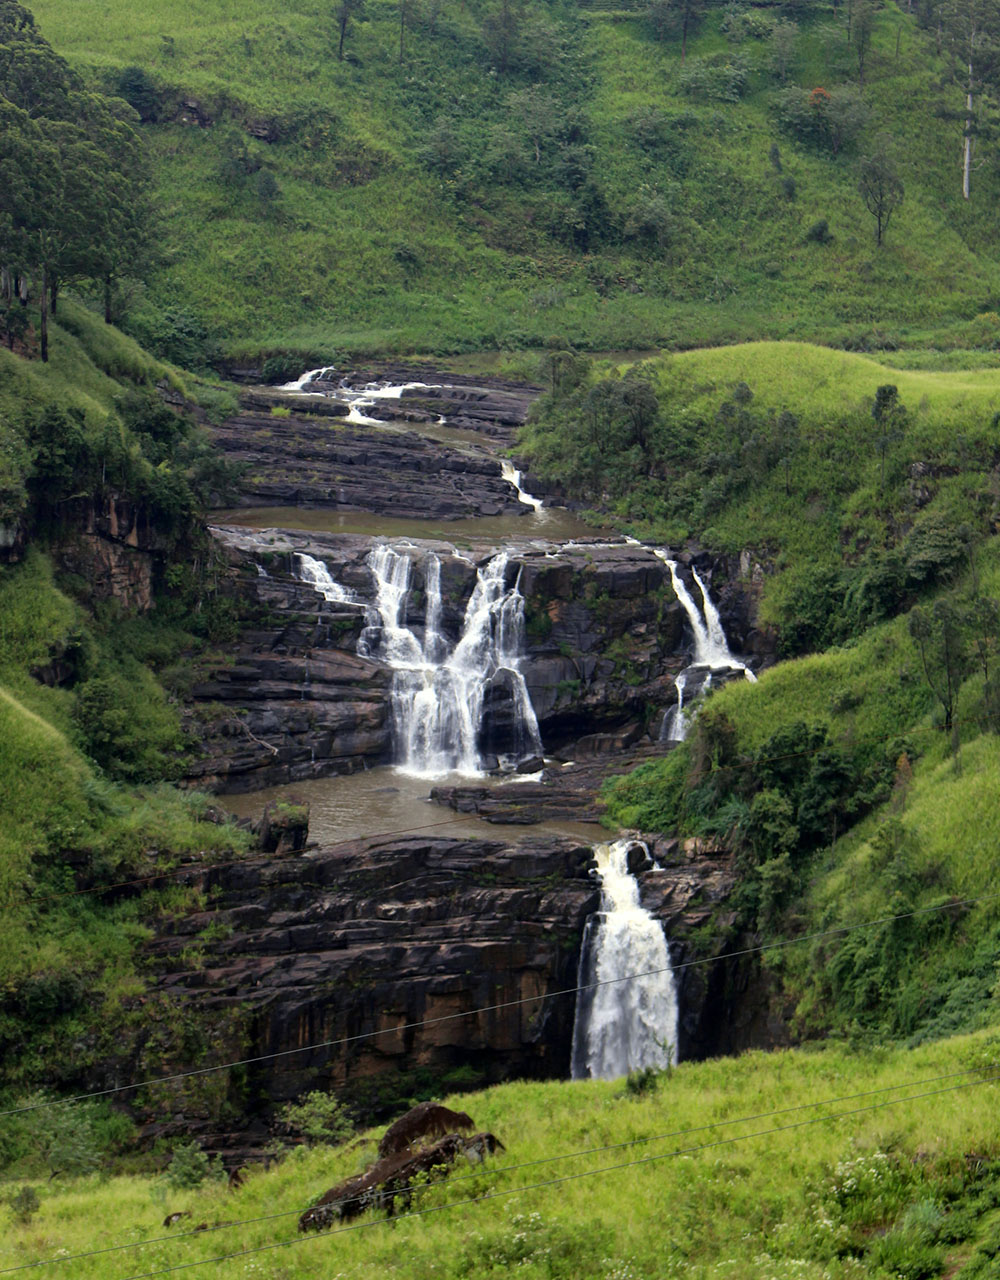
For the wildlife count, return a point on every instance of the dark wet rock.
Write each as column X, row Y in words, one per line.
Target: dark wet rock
column 315, row 462
column 351, row 968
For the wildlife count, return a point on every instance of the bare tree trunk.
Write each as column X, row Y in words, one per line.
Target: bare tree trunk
column 43, row 330
column 967, row 148
column 107, row 298
column 54, row 292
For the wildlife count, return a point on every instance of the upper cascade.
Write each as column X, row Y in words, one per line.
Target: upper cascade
column 626, row 1009
column 317, row 575
column 711, row 649
column 357, row 399
column 439, row 693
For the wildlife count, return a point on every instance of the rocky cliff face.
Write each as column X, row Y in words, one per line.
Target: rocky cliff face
column 374, row 966
column 605, row 637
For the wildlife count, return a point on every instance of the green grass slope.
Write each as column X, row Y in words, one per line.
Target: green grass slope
column 721, row 1172
column 595, row 192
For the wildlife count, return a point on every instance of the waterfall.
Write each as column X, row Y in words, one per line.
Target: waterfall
column 623, row 1026
column 674, row 727
column 439, row 693
column 318, row 576
column 711, row 650
column 510, row 473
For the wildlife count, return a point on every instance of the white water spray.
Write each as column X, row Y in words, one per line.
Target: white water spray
column 318, row 576
column 439, row 695
column 711, row 649
column 625, row 1023
column 510, row 473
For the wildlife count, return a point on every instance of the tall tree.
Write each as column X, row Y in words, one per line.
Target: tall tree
column 672, row 18
column 970, row 33
column 881, row 189
column 502, row 33
column 345, row 11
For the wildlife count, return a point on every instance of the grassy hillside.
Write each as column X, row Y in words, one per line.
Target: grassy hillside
column 89, row 735
column 584, row 186
column 714, row 1190
column 855, row 506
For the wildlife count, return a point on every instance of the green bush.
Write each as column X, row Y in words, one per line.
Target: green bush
column 317, row 1119
column 190, row 1166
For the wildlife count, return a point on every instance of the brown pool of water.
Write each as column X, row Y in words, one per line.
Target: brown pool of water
column 551, row 524
column 386, row 802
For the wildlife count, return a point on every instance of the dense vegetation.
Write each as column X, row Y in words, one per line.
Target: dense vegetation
column 72, row 180
column 860, row 486
column 572, row 175
column 910, row 1190
column 89, row 736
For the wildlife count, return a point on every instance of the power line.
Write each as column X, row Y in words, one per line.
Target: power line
column 951, row 905
column 527, row 1164
column 552, row 1182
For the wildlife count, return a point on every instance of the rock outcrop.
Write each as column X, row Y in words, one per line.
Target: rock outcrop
column 605, row 637
column 370, row 967
column 328, row 462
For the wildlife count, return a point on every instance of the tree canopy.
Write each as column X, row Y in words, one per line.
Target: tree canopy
column 72, row 178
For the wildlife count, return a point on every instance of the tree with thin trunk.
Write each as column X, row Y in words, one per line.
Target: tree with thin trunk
column 970, row 33
column 862, row 28
column 881, row 188
column 672, row 18
column 502, row 33
column 345, row 11
column 941, row 643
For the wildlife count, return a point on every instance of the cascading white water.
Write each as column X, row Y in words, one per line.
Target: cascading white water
column 357, row 399
column 511, row 474
column 318, row 576
column 711, row 649
column 624, row 1023
column 438, row 697
column 674, row 727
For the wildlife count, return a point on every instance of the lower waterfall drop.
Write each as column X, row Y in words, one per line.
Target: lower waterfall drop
column 625, row 1023
column 439, row 697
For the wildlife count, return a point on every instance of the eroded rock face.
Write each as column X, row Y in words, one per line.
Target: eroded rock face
column 115, row 549
column 604, row 639
column 398, row 956
column 300, row 461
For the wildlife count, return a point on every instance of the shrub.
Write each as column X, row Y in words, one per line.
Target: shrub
column 718, row 79
column 137, row 88
column 317, row 1119
column 820, row 233
column 25, row 1204
column 190, row 1166
column 831, row 120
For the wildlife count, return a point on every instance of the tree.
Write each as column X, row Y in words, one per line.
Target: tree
column 345, row 11
column 861, row 27
column 970, row 32
column 881, row 189
column 672, row 18
column 940, row 640
column 890, row 419
column 502, row 33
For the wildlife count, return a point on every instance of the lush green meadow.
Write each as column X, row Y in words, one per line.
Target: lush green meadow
column 721, row 1170
column 594, row 192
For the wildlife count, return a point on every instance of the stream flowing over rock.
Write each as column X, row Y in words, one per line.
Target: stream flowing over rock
column 374, row 966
